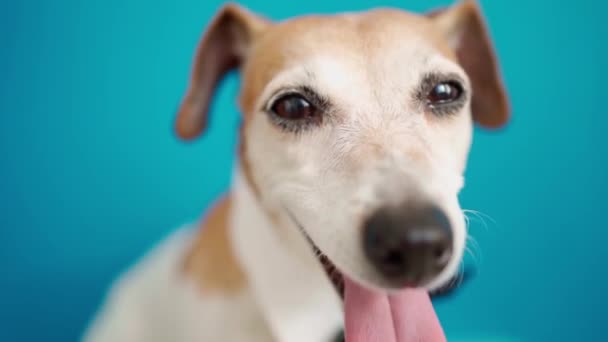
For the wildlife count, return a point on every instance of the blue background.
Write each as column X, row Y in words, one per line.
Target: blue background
column 91, row 174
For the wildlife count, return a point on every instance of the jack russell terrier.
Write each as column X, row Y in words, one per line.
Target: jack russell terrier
column 343, row 210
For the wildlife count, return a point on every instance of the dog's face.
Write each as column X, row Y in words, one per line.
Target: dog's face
column 357, row 129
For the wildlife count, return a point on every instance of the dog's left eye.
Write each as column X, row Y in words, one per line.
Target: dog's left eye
column 293, row 107
column 444, row 92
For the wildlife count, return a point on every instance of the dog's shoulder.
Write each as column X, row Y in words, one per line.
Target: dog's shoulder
column 155, row 300
column 140, row 292
column 211, row 261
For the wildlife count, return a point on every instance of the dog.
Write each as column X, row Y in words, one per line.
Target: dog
column 343, row 211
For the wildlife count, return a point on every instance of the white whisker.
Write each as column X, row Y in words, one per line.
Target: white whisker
column 484, row 218
column 474, row 250
column 460, row 278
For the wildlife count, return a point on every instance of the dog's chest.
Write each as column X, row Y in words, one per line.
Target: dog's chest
column 217, row 318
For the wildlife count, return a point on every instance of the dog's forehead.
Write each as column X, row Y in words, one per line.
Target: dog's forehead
column 351, row 39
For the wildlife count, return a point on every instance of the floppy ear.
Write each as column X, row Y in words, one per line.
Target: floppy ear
column 222, row 48
column 464, row 28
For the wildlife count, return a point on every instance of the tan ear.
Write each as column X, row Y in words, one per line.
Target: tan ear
column 222, row 48
column 464, row 27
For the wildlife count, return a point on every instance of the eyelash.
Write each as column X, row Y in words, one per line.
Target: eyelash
column 290, row 126
column 321, row 103
column 427, row 84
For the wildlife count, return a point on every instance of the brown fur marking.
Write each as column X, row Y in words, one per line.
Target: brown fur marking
column 297, row 39
column 211, row 262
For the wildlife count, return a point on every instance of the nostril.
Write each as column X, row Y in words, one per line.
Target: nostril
column 439, row 253
column 394, row 258
column 442, row 256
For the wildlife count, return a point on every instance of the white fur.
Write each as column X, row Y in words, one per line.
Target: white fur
column 290, row 298
column 294, row 293
column 377, row 147
column 363, row 156
column 154, row 301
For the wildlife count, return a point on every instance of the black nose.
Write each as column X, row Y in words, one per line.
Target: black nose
column 408, row 246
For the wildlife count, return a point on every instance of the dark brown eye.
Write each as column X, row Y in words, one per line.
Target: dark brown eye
column 293, row 107
column 444, row 92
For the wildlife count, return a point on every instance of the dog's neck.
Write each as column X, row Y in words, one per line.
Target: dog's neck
column 294, row 293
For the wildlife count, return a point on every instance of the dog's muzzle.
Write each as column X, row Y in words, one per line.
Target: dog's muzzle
column 408, row 247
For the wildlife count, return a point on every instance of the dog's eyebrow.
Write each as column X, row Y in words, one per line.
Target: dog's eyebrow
column 310, row 75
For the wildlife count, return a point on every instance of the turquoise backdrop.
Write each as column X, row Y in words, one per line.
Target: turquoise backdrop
column 91, row 174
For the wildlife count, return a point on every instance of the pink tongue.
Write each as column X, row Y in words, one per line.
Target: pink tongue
column 402, row 317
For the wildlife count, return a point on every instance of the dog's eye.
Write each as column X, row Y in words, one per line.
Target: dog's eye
column 293, row 107
column 444, row 92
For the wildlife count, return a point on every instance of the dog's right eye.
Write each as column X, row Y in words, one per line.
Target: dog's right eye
column 294, row 107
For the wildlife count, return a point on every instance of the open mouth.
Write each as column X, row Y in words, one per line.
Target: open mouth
column 334, row 274
column 337, row 279
column 331, row 270
column 371, row 315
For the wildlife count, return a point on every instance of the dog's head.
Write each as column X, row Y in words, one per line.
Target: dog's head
column 357, row 127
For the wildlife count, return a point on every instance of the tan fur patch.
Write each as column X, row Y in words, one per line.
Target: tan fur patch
column 292, row 41
column 211, row 262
